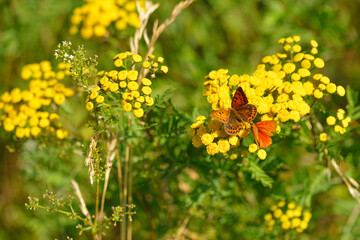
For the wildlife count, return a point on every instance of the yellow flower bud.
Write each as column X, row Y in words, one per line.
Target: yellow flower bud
column 313, row 43
column 340, row 91
column 261, row 154
column 89, row 106
column 146, row 90
column 253, row 148
column 289, row 68
column 319, row 63
column 323, row 137
column 99, row 99
column 138, row 112
column 206, row 139
column 212, row 148
column 331, row 120
column 146, row 64
column 136, row 58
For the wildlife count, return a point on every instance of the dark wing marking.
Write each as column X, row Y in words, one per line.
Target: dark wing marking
column 222, row 115
column 233, row 126
column 239, row 99
column 247, row 112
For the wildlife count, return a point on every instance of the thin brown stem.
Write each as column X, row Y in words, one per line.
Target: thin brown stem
column 109, row 161
column 97, row 201
column 353, row 191
column 83, row 207
column 70, row 214
column 126, row 170
column 182, row 228
column 118, row 162
column 129, row 231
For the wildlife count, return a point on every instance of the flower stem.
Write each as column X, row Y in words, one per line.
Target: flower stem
column 129, row 232
column 126, row 170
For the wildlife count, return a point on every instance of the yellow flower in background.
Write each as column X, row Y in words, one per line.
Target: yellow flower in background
column 261, row 154
column 253, row 148
column 287, row 217
column 323, row 137
column 94, row 17
column 27, row 113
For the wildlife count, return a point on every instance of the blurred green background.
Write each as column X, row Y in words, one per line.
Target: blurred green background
column 208, row 35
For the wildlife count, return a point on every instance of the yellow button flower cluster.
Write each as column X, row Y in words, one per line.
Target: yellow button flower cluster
column 125, row 84
column 282, row 88
column 27, row 113
column 287, row 217
column 340, row 123
column 214, row 137
column 97, row 15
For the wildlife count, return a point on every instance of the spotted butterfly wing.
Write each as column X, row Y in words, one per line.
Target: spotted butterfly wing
column 247, row 112
column 222, row 115
column 262, row 132
column 239, row 99
column 233, row 126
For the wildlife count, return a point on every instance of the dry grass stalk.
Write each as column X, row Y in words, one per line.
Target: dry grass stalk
column 83, row 207
column 157, row 30
column 144, row 18
column 111, row 151
column 88, row 161
column 351, row 187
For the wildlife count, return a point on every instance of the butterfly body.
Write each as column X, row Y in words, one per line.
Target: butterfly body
column 240, row 112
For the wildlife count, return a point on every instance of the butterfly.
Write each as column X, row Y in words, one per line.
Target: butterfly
column 262, row 132
column 235, row 116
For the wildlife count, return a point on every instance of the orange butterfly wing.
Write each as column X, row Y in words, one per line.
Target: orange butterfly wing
column 233, row 126
column 262, row 132
column 239, row 99
column 247, row 112
column 222, row 115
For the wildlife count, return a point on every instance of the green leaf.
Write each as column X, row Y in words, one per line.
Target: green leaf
column 259, row 175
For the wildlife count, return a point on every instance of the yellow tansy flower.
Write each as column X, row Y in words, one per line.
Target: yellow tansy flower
column 253, row 148
column 138, row 112
column 136, row 58
column 164, row 69
column 89, row 106
column 212, row 148
column 289, row 68
column 146, row 90
column 323, row 137
column 319, row 63
column 118, row 63
column 133, row 75
column 122, row 75
column 146, row 64
column 207, row 139
column 331, row 88
column 100, row 99
column 340, row 91
column 261, row 154
column 146, row 82
column 133, row 86
column 331, row 120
